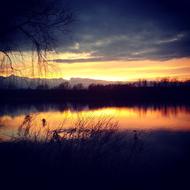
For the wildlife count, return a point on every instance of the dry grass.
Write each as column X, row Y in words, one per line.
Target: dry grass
column 83, row 128
column 87, row 138
column 91, row 153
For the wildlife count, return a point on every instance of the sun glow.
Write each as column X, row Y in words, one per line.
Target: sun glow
column 119, row 70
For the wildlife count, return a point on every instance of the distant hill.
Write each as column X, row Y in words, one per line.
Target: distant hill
column 86, row 81
column 17, row 82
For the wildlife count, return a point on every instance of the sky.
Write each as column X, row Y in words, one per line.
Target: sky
column 124, row 40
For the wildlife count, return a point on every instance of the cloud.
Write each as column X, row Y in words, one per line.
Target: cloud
column 130, row 30
column 69, row 61
column 133, row 47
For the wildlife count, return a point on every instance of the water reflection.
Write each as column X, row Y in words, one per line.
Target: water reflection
column 173, row 118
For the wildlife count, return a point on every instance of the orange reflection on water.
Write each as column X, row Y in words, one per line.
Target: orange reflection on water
column 175, row 119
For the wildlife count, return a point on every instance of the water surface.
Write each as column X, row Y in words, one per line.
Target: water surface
column 151, row 118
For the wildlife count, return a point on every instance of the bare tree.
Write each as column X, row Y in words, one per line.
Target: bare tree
column 32, row 25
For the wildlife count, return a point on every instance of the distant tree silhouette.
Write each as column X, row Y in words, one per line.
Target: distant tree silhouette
column 64, row 85
column 42, row 87
column 31, row 25
column 78, row 86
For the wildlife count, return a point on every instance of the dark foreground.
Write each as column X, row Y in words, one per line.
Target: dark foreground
column 156, row 161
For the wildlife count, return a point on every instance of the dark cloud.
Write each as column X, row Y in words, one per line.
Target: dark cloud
column 123, row 29
column 69, row 61
column 131, row 30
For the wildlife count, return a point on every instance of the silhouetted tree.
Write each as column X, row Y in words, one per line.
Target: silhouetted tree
column 31, row 25
column 78, row 86
column 64, row 85
column 42, row 87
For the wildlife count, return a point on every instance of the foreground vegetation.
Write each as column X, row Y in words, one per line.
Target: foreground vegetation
column 90, row 155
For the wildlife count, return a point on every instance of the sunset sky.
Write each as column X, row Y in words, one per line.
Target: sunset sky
column 123, row 40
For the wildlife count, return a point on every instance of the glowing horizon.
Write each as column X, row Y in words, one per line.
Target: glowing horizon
column 116, row 70
column 111, row 70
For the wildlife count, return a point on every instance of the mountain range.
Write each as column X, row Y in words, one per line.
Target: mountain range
column 17, row 82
